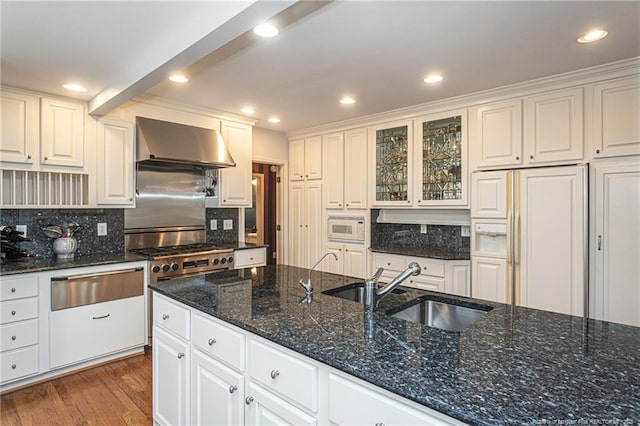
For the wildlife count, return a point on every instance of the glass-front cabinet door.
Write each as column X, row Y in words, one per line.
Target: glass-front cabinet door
column 391, row 164
column 442, row 160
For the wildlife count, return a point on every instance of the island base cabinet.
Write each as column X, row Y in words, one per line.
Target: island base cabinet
column 216, row 393
column 352, row 404
column 263, row 408
column 170, row 378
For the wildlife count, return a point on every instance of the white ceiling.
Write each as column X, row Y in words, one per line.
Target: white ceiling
column 377, row 52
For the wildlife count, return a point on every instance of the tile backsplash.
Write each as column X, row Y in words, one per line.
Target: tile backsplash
column 88, row 240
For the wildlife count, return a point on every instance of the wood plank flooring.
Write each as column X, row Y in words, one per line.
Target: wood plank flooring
column 118, row 393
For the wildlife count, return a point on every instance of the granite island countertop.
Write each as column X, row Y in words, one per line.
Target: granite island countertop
column 524, row 366
column 29, row 265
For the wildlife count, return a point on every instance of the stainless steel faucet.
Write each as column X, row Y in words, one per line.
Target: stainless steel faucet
column 307, row 286
column 372, row 295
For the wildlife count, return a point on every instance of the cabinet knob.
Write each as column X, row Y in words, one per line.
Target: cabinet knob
column 251, row 258
column 13, row 312
column 165, row 316
column 28, row 157
column 13, row 338
column 347, row 205
column 274, row 374
column 13, row 290
column 180, row 355
column 531, row 157
column 518, row 158
column 388, row 263
column 232, row 389
column 248, row 400
column 346, row 249
column 46, row 158
column 307, row 175
column 211, row 342
column 13, row 366
column 597, row 151
column 419, row 201
column 339, row 205
column 130, row 199
column 409, row 201
column 224, row 201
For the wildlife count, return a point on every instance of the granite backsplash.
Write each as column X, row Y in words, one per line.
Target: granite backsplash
column 220, row 236
column 446, row 238
column 89, row 243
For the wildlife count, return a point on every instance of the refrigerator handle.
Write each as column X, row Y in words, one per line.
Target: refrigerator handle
column 518, row 238
column 599, row 242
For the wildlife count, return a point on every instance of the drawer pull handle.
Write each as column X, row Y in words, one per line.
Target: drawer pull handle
column 180, row 355
column 232, row 389
column 102, row 317
column 274, row 374
column 380, row 424
column 13, row 289
column 211, row 342
column 13, row 366
column 13, row 338
column 13, row 312
column 248, row 400
column 165, row 316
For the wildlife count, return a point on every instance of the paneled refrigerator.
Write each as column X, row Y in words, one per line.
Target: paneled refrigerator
column 529, row 241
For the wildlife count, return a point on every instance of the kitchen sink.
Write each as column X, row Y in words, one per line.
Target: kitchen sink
column 354, row 292
column 438, row 312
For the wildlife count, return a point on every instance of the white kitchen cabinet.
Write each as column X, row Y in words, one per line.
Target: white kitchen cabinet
column 496, row 134
column 616, row 108
column 442, row 176
column 235, row 182
column 345, row 169
column 116, row 163
column 390, row 164
column 489, row 279
column 216, row 392
column 352, row 403
column 305, row 158
column 19, row 123
column 62, row 127
column 305, row 215
column 615, row 247
column 352, row 260
column 458, row 278
column 264, row 408
column 249, row 258
column 553, row 127
column 171, row 370
column 488, row 191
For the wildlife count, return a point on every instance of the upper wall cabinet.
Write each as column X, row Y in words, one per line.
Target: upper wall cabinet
column 62, row 133
column 391, row 168
column 496, row 134
column 616, row 108
column 19, row 115
column 346, row 172
column 442, row 175
column 116, row 166
column 235, row 182
column 305, row 157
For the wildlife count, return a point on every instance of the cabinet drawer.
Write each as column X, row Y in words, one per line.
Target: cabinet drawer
column 18, row 335
column 18, row 310
column 433, row 267
column 170, row 316
column 18, row 363
column 389, row 261
column 219, row 341
column 17, row 288
column 250, row 257
column 285, row 374
column 426, row 283
column 90, row 331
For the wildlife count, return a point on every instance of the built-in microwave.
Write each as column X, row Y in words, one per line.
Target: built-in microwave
column 346, row 228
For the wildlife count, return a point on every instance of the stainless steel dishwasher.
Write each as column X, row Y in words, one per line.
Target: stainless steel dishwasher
column 87, row 289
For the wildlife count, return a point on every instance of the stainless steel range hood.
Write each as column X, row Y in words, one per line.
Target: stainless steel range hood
column 166, row 144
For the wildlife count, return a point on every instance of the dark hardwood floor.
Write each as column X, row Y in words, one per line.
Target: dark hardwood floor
column 118, row 393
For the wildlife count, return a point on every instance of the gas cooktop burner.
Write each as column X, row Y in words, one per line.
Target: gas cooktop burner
column 156, row 252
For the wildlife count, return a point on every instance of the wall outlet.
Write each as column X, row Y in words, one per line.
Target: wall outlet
column 423, row 228
column 465, row 231
column 102, row 229
column 23, row 229
column 227, row 224
column 213, row 224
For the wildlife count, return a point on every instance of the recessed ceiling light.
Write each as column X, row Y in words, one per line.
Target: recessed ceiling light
column 248, row 110
column 347, row 100
column 178, row 78
column 592, row 36
column 433, row 78
column 274, row 120
column 266, row 30
column 74, row 87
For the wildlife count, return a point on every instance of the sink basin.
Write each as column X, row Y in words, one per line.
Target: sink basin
column 354, row 292
column 439, row 312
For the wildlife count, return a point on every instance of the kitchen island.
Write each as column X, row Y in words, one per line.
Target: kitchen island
column 509, row 367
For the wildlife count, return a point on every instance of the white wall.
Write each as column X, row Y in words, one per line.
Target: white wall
column 269, row 146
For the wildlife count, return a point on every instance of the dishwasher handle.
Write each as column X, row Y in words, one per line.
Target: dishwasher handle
column 96, row 275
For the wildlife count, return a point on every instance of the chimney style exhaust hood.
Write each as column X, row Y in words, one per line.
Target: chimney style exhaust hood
column 166, row 144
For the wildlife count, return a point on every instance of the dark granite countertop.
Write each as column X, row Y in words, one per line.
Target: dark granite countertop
column 244, row 246
column 423, row 252
column 28, row 265
column 522, row 367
